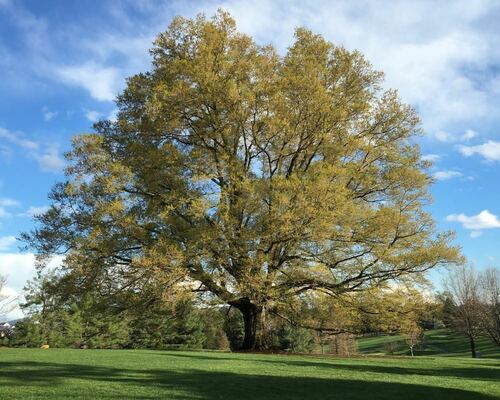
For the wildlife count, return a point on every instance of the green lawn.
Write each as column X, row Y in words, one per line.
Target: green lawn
column 438, row 343
column 143, row 374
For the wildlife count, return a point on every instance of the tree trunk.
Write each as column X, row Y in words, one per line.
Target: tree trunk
column 252, row 315
column 472, row 346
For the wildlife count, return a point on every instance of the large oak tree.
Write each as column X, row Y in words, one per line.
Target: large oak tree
column 251, row 176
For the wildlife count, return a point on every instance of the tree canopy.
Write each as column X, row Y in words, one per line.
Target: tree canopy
column 249, row 176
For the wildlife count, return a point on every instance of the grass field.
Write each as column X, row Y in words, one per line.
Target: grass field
column 142, row 374
column 438, row 343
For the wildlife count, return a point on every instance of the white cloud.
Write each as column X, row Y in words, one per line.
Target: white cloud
column 434, row 53
column 19, row 267
column 475, row 234
column 468, row 135
column 48, row 115
column 47, row 157
column 17, row 139
column 444, row 136
column 100, row 81
column 427, row 49
column 9, row 304
column 431, row 157
column 489, row 150
column 8, row 292
column 93, row 116
column 113, row 115
column 7, row 242
column 50, row 160
column 446, row 174
column 4, row 204
column 483, row 220
column 33, row 211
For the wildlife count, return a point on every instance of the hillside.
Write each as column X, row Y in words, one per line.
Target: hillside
column 440, row 342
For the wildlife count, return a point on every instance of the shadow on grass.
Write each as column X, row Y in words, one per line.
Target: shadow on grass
column 211, row 385
column 480, row 373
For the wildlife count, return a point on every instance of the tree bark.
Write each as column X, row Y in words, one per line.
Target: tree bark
column 252, row 319
column 472, row 346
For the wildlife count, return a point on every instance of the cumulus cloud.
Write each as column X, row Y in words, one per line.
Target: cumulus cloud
column 47, row 114
column 446, row 174
column 468, row 135
column 483, row 220
column 9, row 304
column 430, row 51
column 7, row 242
column 444, row 136
column 475, row 234
column 19, row 268
column 490, row 150
column 50, row 160
column 93, row 116
column 100, row 81
column 433, row 52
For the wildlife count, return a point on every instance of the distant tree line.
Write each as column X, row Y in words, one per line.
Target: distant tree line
column 60, row 316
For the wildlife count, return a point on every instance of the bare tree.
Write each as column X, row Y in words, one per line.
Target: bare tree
column 391, row 346
column 490, row 297
column 7, row 303
column 463, row 284
column 413, row 336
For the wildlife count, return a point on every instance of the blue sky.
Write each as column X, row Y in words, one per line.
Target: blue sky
column 63, row 62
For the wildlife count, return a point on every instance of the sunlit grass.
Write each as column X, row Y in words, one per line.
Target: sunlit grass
column 142, row 374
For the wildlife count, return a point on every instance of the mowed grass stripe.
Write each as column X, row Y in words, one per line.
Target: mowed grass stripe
column 143, row 374
column 437, row 343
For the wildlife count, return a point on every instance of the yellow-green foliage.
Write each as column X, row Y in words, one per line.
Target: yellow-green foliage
column 251, row 175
